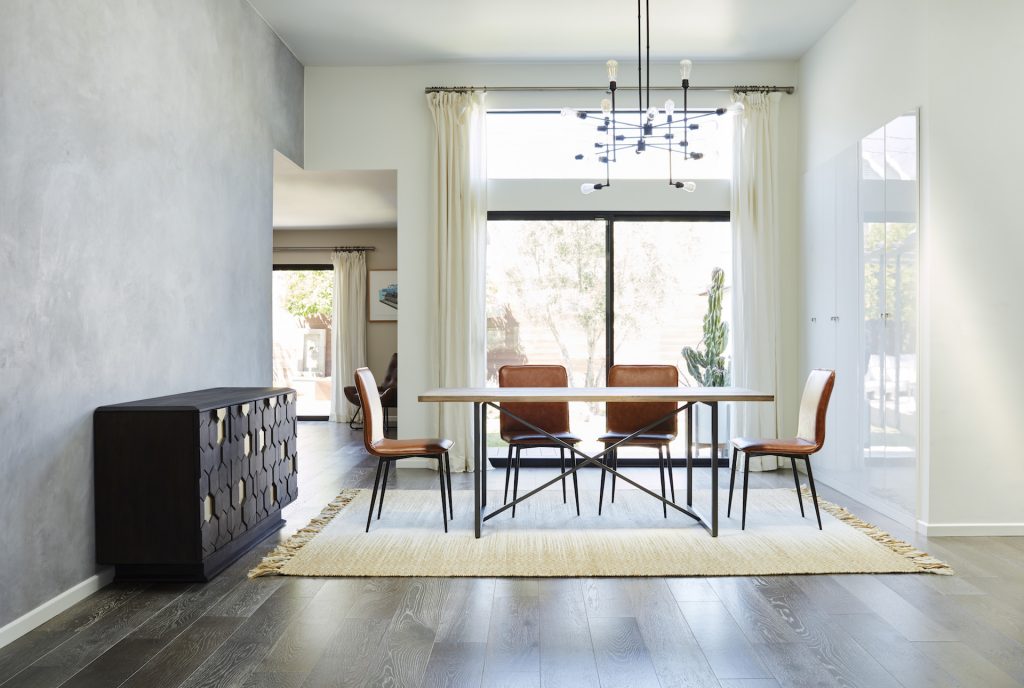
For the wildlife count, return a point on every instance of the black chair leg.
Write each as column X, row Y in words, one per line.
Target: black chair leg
column 814, row 493
column 671, row 479
column 732, row 481
column 373, row 497
column 615, row 465
column 515, row 481
column 796, row 481
column 746, row 479
column 352, row 421
column 440, row 480
column 561, row 455
column 661, row 470
column 575, row 482
column 448, row 475
column 508, row 473
column 600, row 499
column 383, row 487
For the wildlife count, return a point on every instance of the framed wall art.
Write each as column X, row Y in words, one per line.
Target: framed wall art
column 382, row 293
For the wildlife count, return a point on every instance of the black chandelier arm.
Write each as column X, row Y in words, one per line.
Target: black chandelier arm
column 679, row 151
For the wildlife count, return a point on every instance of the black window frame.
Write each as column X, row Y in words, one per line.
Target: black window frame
column 610, row 218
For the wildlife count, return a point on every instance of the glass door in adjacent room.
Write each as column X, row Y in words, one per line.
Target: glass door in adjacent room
column 303, row 297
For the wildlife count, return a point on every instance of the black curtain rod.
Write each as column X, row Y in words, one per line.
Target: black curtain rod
column 540, row 89
column 278, row 249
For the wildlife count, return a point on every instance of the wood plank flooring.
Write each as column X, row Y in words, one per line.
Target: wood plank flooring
column 758, row 632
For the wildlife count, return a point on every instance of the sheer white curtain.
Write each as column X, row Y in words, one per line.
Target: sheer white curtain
column 756, row 312
column 460, row 225
column 348, row 327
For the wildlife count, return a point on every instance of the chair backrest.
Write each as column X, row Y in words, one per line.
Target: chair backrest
column 550, row 416
column 373, row 412
column 628, row 417
column 391, row 374
column 389, row 396
column 814, row 406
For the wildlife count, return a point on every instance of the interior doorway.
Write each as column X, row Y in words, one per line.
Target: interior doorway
column 317, row 214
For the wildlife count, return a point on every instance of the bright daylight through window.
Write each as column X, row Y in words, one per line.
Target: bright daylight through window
column 543, row 145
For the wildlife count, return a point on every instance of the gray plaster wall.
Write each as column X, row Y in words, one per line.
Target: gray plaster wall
column 136, row 143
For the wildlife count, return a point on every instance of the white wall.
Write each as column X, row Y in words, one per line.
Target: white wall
column 959, row 62
column 136, row 148
column 377, row 117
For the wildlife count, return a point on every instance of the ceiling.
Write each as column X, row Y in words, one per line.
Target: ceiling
column 363, row 199
column 401, row 32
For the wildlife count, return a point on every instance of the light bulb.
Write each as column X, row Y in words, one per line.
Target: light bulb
column 568, row 112
column 670, row 107
column 684, row 68
column 736, row 108
column 690, row 186
column 613, row 69
column 587, row 188
column 606, row 106
column 652, row 112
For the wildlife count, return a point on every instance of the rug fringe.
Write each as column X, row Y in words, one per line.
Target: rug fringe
column 273, row 563
column 922, row 560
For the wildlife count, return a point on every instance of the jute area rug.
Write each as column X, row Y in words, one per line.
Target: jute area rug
column 547, row 539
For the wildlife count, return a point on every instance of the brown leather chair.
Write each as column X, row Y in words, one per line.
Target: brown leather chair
column 388, row 451
column 552, row 417
column 622, row 419
column 810, row 437
column 387, row 390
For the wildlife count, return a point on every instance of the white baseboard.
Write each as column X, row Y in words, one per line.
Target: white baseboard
column 873, row 502
column 417, row 463
column 51, row 608
column 428, row 463
column 970, row 529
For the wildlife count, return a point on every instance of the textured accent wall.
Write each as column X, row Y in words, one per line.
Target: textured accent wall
column 136, row 144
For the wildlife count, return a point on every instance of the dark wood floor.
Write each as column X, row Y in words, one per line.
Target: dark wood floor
column 858, row 630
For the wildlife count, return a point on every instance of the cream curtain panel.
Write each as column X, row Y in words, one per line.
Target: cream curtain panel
column 348, row 325
column 460, row 231
column 756, row 312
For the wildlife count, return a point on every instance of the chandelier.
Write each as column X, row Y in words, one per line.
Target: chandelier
column 668, row 130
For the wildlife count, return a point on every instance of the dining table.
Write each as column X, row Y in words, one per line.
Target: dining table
column 686, row 398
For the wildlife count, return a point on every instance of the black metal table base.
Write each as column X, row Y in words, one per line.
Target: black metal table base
column 480, row 469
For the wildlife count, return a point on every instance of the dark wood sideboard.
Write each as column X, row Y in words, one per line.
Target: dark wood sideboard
column 186, row 484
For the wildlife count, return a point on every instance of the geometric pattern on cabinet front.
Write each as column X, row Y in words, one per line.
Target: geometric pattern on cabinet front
column 186, row 483
column 251, row 473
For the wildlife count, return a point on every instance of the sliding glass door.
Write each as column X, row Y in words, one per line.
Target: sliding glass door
column 587, row 291
column 546, row 303
column 302, row 298
column 661, row 277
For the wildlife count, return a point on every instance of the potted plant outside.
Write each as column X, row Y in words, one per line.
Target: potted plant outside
column 707, row 363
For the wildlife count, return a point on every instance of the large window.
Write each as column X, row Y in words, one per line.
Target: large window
column 586, row 292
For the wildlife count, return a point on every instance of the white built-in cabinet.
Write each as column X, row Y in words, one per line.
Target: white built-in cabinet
column 860, row 275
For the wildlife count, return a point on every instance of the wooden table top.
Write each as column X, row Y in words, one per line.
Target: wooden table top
column 527, row 394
